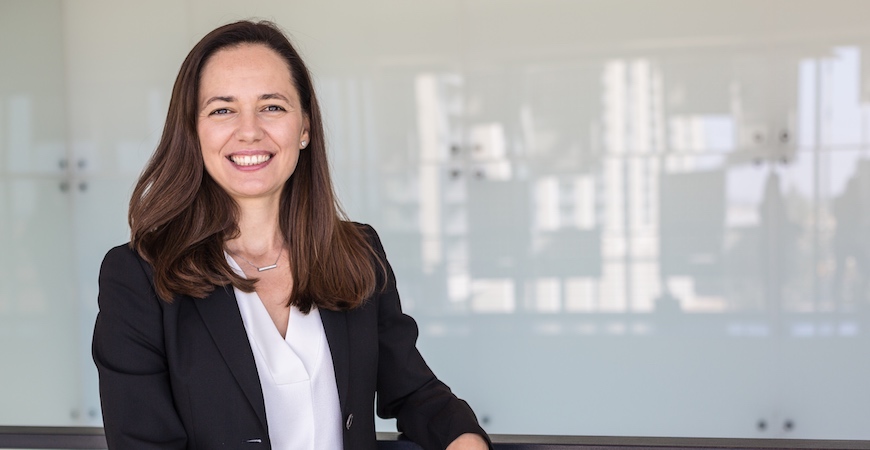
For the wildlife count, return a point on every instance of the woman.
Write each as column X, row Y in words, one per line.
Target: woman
column 245, row 313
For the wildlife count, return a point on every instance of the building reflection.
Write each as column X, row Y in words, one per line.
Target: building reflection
column 851, row 243
column 619, row 207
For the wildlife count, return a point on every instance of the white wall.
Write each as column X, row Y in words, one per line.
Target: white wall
column 609, row 217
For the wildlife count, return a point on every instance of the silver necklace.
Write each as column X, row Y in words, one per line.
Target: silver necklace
column 264, row 268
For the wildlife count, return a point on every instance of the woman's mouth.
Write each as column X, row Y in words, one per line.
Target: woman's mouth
column 249, row 160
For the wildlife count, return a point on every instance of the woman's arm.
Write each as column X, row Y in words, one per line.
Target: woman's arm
column 425, row 408
column 128, row 349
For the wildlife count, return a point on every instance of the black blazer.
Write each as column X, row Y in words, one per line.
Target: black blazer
column 182, row 375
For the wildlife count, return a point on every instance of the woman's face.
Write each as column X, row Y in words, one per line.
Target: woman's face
column 250, row 121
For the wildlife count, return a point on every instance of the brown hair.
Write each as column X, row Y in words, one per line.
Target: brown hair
column 180, row 218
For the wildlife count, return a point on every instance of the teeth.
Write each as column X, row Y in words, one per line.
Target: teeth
column 249, row 160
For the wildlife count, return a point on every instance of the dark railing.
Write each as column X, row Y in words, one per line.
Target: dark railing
column 92, row 438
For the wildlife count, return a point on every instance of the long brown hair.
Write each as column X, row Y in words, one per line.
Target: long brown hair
column 180, row 218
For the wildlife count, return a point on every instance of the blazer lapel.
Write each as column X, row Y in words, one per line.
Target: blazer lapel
column 335, row 326
column 221, row 315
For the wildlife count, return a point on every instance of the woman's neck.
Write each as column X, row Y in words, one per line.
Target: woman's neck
column 259, row 230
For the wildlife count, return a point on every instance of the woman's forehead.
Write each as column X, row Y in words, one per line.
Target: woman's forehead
column 244, row 68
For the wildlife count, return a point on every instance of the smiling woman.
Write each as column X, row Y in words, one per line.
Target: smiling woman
column 246, row 309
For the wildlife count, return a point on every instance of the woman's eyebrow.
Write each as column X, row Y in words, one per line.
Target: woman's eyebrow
column 219, row 98
column 274, row 96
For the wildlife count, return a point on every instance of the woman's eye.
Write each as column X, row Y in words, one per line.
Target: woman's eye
column 274, row 108
column 220, row 111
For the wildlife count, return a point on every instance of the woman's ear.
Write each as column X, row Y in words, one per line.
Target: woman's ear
column 304, row 139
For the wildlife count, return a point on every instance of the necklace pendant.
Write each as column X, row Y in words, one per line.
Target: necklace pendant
column 263, row 269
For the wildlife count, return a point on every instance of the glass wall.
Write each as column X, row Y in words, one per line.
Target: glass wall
column 41, row 346
column 609, row 218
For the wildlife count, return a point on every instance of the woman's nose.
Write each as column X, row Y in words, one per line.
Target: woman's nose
column 249, row 128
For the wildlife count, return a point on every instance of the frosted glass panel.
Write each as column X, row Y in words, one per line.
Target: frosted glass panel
column 38, row 306
column 650, row 233
column 32, row 91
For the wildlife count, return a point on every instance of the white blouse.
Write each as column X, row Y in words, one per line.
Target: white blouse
column 296, row 375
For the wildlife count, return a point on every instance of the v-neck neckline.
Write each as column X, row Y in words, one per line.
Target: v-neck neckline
column 293, row 357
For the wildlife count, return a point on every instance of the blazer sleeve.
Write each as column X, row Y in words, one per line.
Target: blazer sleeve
column 129, row 352
column 426, row 410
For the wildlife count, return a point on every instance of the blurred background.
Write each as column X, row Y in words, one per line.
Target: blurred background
column 609, row 217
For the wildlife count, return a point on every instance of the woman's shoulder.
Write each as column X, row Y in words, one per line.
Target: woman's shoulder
column 124, row 259
column 126, row 286
column 364, row 227
column 124, row 253
column 373, row 240
column 368, row 231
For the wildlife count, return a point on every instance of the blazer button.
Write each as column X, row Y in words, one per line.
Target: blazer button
column 349, row 421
